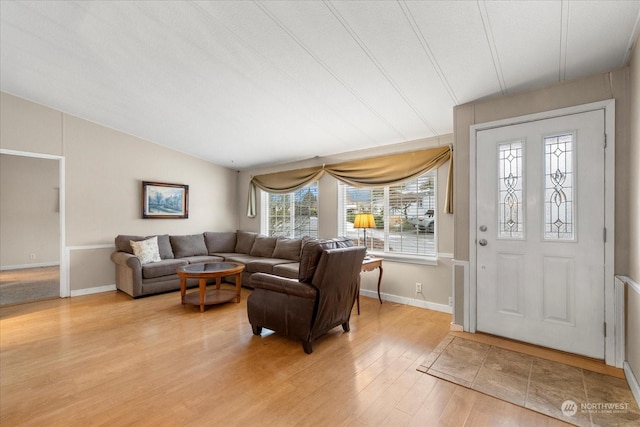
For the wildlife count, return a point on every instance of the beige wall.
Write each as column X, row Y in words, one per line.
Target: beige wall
column 29, row 212
column 104, row 169
column 399, row 278
column 26, row 126
column 633, row 185
column 104, row 174
column 594, row 88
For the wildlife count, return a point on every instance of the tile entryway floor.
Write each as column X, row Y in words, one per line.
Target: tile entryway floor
column 572, row 394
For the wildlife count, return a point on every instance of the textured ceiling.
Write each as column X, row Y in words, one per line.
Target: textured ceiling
column 248, row 83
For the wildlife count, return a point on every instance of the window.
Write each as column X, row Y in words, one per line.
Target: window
column 292, row 214
column 510, row 190
column 405, row 216
column 559, row 187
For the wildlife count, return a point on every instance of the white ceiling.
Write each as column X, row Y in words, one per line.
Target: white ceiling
column 248, row 83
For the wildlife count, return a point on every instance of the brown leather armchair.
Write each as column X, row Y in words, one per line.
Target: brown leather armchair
column 320, row 300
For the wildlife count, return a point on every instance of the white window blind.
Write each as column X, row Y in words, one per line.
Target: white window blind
column 405, row 216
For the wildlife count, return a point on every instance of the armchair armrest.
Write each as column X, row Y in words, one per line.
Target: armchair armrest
column 283, row 285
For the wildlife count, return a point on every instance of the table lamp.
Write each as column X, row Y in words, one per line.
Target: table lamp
column 364, row 220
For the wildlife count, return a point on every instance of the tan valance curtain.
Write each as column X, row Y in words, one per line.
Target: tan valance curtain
column 374, row 172
column 288, row 181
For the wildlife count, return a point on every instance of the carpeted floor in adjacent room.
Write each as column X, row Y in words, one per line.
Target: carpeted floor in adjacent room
column 29, row 284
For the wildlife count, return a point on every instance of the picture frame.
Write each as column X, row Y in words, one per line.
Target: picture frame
column 163, row 200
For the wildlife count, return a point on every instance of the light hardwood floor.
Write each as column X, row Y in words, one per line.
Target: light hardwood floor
column 108, row 360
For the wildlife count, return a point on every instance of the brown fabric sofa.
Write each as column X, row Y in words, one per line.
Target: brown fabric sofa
column 320, row 299
column 260, row 254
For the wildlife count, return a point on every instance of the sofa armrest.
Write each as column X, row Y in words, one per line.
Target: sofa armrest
column 282, row 285
column 128, row 273
column 124, row 258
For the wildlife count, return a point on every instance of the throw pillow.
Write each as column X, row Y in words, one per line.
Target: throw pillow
column 123, row 242
column 164, row 246
column 146, row 250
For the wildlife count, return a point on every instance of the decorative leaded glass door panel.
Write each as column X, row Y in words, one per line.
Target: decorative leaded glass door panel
column 540, row 247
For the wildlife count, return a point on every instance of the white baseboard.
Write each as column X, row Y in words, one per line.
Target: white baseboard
column 455, row 328
column 632, row 381
column 408, row 301
column 96, row 290
column 24, row 266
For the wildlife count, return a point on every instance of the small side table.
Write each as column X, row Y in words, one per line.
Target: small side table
column 370, row 264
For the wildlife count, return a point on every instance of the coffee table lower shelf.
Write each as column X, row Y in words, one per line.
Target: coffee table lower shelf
column 211, row 297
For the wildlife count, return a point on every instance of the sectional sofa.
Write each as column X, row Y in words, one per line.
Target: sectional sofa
column 260, row 254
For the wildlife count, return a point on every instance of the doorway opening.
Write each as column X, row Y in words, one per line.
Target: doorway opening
column 32, row 265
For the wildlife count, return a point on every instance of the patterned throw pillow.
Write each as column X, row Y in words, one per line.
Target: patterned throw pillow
column 146, row 250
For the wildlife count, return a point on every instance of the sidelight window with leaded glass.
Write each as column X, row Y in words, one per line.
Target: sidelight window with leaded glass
column 510, row 190
column 559, row 218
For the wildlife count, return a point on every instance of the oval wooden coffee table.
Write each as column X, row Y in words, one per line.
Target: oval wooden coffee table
column 204, row 272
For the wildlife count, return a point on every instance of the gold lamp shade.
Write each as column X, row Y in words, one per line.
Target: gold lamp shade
column 364, row 220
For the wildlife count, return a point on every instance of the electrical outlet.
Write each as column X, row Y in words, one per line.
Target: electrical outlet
column 418, row 288
column 450, row 301
column 32, row 256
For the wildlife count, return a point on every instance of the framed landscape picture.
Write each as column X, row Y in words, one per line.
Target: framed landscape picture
column 161, row 200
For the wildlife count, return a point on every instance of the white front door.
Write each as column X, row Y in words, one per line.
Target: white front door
column 539, row 238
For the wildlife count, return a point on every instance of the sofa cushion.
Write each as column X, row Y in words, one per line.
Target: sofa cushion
column 264, row 265
column 123, row 242
column 244, row 241
column 288, row 270
column 241, row 258
column 191, row 245
column 263, row 246
column 218, row 242
column 166, row 267
column 342, row 242
column 287, row 249
column 202, row 258
column 146, row 250
column 164, row 245
column 311, row 252
column 225, row 255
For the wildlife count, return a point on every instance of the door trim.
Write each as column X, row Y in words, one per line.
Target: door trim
column 64, row 264
column 470, row 292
